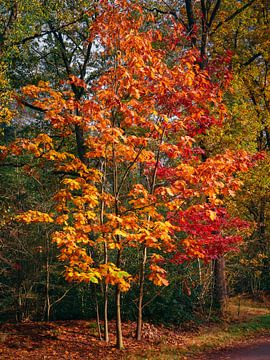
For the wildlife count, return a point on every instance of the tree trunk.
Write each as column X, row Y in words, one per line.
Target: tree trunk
column 47, row 284
column 144, row 257
column 106, row 322
column 220, row 288
column 105, row 252
column 140, row 303
column 47, row 290
column 119, row 335
column 80, row 143
column 97, row 314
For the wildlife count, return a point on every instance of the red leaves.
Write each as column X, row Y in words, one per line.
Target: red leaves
column 209, row 231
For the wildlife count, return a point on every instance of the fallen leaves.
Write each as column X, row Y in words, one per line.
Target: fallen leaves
column 77, row 340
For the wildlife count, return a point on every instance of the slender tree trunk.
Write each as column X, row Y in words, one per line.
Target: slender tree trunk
column 47, row 284
column 97, row 314
column 220, row 288
column 106, row 322
column 105, row 254
column 119, row 335
column 106, row 289
column 144, row 257
column 47, row 298
column 200, row 272
column 140, row 303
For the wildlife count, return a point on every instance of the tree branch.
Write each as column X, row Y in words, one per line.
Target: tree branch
column 232, row 16
column 214, row 13
column 253, row 58
column 39, row 35
column 29, row 105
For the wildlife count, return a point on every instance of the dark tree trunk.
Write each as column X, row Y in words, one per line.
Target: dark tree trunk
column 220, row 287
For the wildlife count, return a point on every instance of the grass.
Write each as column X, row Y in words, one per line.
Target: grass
column 251, row 321
column 212, row 338
column 259, row 323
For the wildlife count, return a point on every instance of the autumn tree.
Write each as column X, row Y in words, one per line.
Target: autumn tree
column 214, row 28
column 249, row 108
column 140, row 179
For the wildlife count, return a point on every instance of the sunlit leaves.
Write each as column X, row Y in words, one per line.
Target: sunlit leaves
column 33, row 216
column 142, row 182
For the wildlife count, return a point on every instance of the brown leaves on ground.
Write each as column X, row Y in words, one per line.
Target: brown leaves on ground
column 74, row 340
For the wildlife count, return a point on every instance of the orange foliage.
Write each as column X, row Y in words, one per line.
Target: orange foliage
column 140, row 122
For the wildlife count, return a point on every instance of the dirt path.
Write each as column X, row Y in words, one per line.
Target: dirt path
column 258, row 349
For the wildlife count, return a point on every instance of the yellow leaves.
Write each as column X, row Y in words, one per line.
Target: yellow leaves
column 190, row 76
column 120, row 233
column 6, row 98
column 146, row 156
column 43, row 139
column 90, row 199
column 32, row 216
column 115, row 276
column 93, row 175
column 114, row 245
column 90, row 276
column 72, row 184
column 90, row 215
column 58, row 106
column 155, row 258
column 162, row 190
column 170, row 191
column 212, row 214
column 153, row 234
column 53, row 155
column 79, row 219
column 140, row 203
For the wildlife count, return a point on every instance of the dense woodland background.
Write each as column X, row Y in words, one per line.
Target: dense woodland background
column 51, row 41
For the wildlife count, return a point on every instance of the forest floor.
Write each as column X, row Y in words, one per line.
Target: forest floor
column 78, row 340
